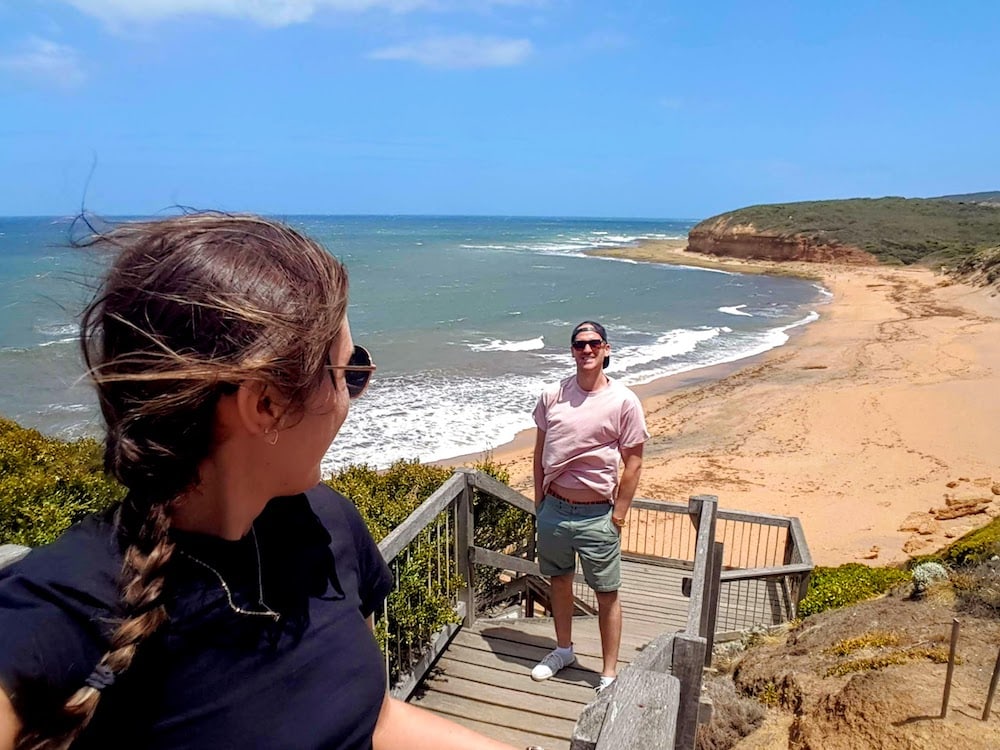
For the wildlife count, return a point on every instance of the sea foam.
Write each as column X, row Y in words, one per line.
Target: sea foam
column 498, row 345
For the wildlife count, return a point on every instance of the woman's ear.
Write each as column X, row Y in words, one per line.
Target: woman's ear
column 254, row 408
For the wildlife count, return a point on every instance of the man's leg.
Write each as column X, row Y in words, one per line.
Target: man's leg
column 557, row 560
column 562, row 609
column 609, row 619
column 599, row 545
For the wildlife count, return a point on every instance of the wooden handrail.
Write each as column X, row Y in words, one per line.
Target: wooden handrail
column 702, row 509
column 688, row 649
column 396, row 540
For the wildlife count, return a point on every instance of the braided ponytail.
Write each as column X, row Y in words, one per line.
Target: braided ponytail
column 145, row 613
column 191, row 306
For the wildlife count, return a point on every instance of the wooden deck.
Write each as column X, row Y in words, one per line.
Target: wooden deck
column 483, row 679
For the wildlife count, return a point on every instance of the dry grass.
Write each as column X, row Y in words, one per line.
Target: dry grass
column 734, row 716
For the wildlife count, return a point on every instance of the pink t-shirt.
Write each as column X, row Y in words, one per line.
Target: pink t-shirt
column 584, row 432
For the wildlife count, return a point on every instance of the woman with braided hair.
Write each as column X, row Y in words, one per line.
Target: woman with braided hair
column 227, row 601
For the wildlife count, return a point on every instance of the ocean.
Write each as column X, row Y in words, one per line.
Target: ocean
column 466, row 317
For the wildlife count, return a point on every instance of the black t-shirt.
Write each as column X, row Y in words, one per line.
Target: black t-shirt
column 210, row 677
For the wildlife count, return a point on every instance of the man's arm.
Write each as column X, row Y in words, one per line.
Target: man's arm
column 539, row 471
column 629, row 481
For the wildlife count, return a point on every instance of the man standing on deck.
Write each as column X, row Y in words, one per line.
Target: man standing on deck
column 588, row 425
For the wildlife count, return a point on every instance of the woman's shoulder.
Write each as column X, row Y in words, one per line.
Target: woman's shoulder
column 84, row 562
column 58, row 606
column 330, row 505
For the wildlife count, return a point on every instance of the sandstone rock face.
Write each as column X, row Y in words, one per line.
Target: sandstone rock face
column 744, row 241
column 888, row 706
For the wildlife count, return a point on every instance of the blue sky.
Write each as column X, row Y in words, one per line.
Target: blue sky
column 626, row 108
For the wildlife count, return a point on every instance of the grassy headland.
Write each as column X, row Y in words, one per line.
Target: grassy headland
column 957, row 232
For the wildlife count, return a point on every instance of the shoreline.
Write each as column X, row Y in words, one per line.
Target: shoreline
column 874, row 425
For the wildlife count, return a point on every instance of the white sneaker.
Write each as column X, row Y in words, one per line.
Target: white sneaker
column 604, row 684
column 552, row 663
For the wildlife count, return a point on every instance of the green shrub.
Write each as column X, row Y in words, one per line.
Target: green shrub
column 386, row 498
column 500, row 527
column 48, row 484
column 975, row 547
column 426, row 574
column 830, row 588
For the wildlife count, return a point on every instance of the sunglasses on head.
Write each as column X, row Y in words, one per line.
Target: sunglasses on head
column 581, row 344
column 357, row 372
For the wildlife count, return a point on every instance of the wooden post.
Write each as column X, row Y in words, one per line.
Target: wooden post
column 951, row 668
column 464, row 536
column 644, row 705
column 992, row 690
column 714, row 584
column 702, row 508
column 11, row 553
column 687, row 663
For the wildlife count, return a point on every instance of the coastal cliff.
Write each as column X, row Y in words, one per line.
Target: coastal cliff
column 859, row 231
column 726, row 237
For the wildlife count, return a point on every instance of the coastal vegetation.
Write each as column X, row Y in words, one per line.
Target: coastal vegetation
column 47, row 484
column 830, row 588
column 900, row 231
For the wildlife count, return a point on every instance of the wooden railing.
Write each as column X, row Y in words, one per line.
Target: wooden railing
column 720, row 549
column 765, row 562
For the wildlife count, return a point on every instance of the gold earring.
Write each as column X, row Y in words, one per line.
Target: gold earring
column 273, row 440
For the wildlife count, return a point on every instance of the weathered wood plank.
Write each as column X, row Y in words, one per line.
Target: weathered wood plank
column 515, row 736
column 643, row 712
column 658, row 656
column 741, row 574
column 588, row 727
column 407, row 683
column 746, row 516
column 509, row 697
column 499, row 490
column 585, row 671
column 483, row 679
column 482, row 556
column 645, row 503
column 540, row 632
column 686, row 665
column 465, row 534
column 488, row 676
column 450, row 705
column 11, row 553
column 704, row 506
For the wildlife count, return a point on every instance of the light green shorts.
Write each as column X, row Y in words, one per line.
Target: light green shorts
column 566, row 530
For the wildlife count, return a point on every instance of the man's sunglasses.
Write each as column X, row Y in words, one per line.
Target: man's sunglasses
column 357, row 372
column 581, row 344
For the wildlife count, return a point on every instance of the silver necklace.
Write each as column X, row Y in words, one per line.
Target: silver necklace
column 267, row 611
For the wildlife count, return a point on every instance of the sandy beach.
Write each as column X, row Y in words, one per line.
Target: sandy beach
column 876, row 425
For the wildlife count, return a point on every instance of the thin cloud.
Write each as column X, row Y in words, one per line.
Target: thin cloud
column 265, row 12
column 45, row 61
column 457, row 52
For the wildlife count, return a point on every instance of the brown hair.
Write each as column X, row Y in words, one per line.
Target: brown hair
column 191, row 306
